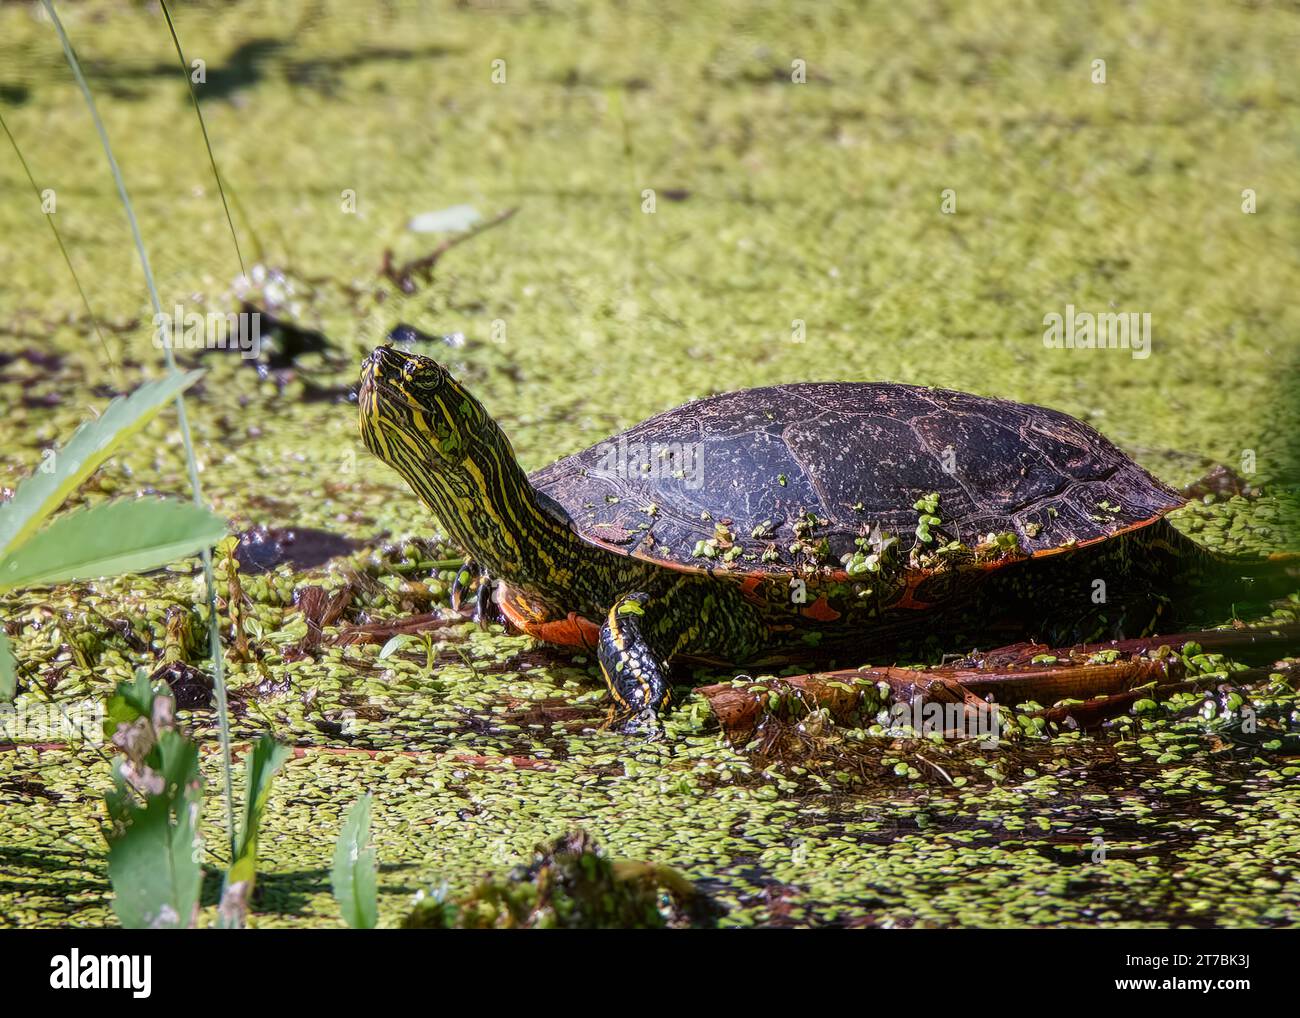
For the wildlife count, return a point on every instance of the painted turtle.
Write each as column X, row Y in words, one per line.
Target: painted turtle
column 772, row 524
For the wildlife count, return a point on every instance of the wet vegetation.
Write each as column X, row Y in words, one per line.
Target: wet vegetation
column 497, row 795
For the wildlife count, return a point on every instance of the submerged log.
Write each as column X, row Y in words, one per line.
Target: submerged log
column 1103, row 679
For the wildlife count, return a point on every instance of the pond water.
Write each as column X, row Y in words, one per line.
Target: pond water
column 689, row 220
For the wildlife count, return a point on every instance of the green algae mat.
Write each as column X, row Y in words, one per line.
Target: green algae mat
column 706, row 198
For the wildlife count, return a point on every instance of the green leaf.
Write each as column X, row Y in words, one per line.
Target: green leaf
column 130, row 700
column 42, row 493
column 395, row 643
column 154, row 849
column 8, row 670
column 355, row 878
column 267, row 757
column 126, row 536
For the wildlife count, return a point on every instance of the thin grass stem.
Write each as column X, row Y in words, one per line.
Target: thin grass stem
column 198, row 112
column 214, row 627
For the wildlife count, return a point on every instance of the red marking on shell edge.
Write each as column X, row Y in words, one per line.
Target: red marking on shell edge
column 908, row 598
column 821, row 610
column 1075, row 546
column 749, row 588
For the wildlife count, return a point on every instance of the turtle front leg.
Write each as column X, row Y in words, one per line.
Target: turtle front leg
column 484, row 614
column 485, row 607
column 634, row 668
column 458, row 585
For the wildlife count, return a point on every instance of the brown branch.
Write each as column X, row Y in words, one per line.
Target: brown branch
column 382, row 632
column 320, row 611
column 403, row 276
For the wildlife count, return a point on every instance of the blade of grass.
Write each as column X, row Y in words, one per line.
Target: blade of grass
column 214, row 629
column 43, row 492
column 258, row 250
column 194, row 98
column 266, row 758
column 67, row 260
column 354, row 877
column 8, row 670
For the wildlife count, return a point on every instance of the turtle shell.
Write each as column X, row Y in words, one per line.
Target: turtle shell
column 818, row 465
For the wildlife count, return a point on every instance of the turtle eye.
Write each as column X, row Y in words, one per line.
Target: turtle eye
column 423, row 377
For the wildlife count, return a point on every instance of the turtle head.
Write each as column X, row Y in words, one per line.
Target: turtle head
column 413, row 413
column 424, row 424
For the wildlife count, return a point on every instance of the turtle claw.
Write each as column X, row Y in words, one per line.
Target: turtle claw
column 645, row 722
column 460, row 582
column 487, row 609
column 483, row 614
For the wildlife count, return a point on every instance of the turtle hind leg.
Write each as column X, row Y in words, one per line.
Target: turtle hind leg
column 635, row 670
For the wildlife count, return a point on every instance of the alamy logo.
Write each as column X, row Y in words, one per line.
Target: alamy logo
column 1083, row 330
column 41, row 721
column 680, row 461
column 102, row 972
column 190, row 330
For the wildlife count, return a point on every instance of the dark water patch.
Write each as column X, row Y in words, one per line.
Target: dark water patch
column 191, row 687
column 262, row 549
column 47, row 360
column 344, row 392
column 42, row 401
column 243, row 68
column 28, row 788
column 287, row 341
column 331, row 729
column 280, row 342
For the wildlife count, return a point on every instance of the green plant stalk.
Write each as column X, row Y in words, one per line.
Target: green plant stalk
column 214, row 630
column 194, row 98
